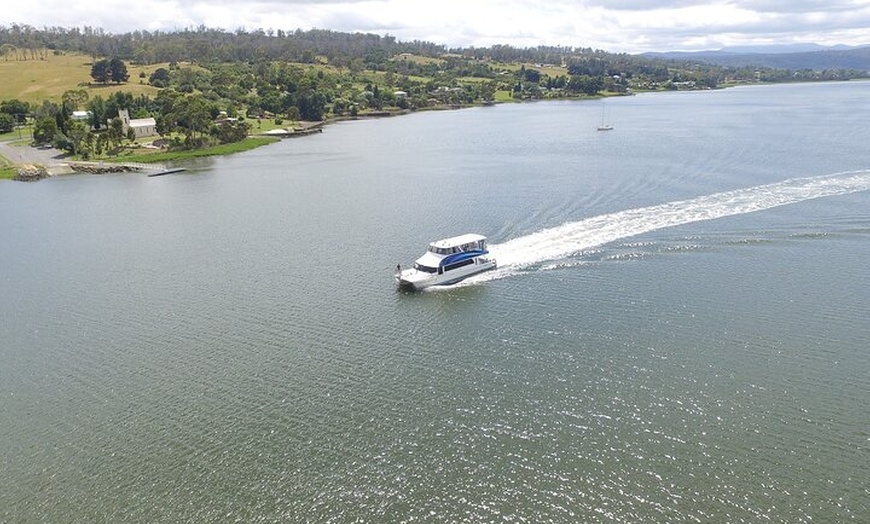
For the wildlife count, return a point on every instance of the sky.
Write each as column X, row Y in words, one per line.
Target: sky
column 629, row 26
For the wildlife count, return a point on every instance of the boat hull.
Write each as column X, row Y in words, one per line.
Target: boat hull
column 417, row 280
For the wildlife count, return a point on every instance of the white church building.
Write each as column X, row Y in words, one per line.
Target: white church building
column 142, row 127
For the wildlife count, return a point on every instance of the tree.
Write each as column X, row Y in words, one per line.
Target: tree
column 7, row 123
column 16, row 108
column 7, row 49
column 312, row 106
column 585, row 84
column 119, row 100
column 44, row 129
column 100, row 144
column 115, row 133
column 118, row 70
column 74, row 99
column 190, row 114
column 97, row 107
column 531, row 75
column 159, row 78
column 100, row 71
column 45, row 124
column 163, row 104
column 230, row 131
column 76, row 135
column 114, row 70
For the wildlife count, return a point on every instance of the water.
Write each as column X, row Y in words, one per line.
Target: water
column 677, row 331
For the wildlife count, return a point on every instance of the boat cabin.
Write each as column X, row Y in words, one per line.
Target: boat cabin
column 452, row 253
column 460, row 244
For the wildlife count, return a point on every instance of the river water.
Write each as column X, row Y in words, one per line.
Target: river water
column 677, row 332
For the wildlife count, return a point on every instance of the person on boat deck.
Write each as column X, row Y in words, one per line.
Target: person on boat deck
column 398, row 268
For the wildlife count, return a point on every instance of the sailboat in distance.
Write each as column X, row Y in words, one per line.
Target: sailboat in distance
column 604, row 125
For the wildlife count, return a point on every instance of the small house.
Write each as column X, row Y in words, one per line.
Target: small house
column 81, row 115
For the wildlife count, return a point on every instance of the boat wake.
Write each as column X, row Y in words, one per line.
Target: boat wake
column 572, row 238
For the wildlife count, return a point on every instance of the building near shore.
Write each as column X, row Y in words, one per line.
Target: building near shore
column 81, row 115
column 142, row 127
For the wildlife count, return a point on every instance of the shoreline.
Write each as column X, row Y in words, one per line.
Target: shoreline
column 50, row 162
column 301, row 129
column 59, row 163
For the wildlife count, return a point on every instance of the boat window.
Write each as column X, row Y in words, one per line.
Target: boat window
column 466, row 262
column 462, row 248
column 425, row 269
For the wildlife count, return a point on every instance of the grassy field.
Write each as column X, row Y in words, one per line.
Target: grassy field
column 37, row 80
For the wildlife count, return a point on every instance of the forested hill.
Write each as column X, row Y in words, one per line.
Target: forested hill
column 369, row 51
column 210, row 45
column 821, row 59
column 215, row 45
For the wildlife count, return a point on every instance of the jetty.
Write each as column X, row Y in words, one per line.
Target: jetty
column 295, row 132
column 100, row 168
column 167, row 171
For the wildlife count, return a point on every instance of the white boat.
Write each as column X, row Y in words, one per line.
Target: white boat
column 604, row 126
column 447, row 261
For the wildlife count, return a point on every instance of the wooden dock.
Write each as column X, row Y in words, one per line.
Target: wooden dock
column 167, row 171
column 152, row 169
column 293, row 133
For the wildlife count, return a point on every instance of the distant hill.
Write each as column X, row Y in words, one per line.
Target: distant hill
column 794, row 56
column 775, row 49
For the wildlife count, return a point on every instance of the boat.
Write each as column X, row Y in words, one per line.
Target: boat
column 604, row 125
column 446, row 262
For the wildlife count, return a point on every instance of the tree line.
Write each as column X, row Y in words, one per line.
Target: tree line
column 365, row 50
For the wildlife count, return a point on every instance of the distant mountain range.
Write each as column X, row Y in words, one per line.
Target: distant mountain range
column 787, row 56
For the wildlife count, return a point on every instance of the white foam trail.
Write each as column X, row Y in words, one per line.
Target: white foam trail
column 575, row 237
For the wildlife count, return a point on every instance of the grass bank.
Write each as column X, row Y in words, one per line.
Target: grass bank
column 7, row 168
column 168, row 156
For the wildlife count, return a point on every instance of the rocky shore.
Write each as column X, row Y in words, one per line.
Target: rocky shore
column 31, row 173
column 34, row 172
column 99, row 168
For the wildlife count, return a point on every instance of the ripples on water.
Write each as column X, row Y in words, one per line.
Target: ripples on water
column 228, row 346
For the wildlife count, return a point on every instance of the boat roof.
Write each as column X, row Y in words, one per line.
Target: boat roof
column 458, row 240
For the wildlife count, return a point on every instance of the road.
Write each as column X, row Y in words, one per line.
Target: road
column 53, row 159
